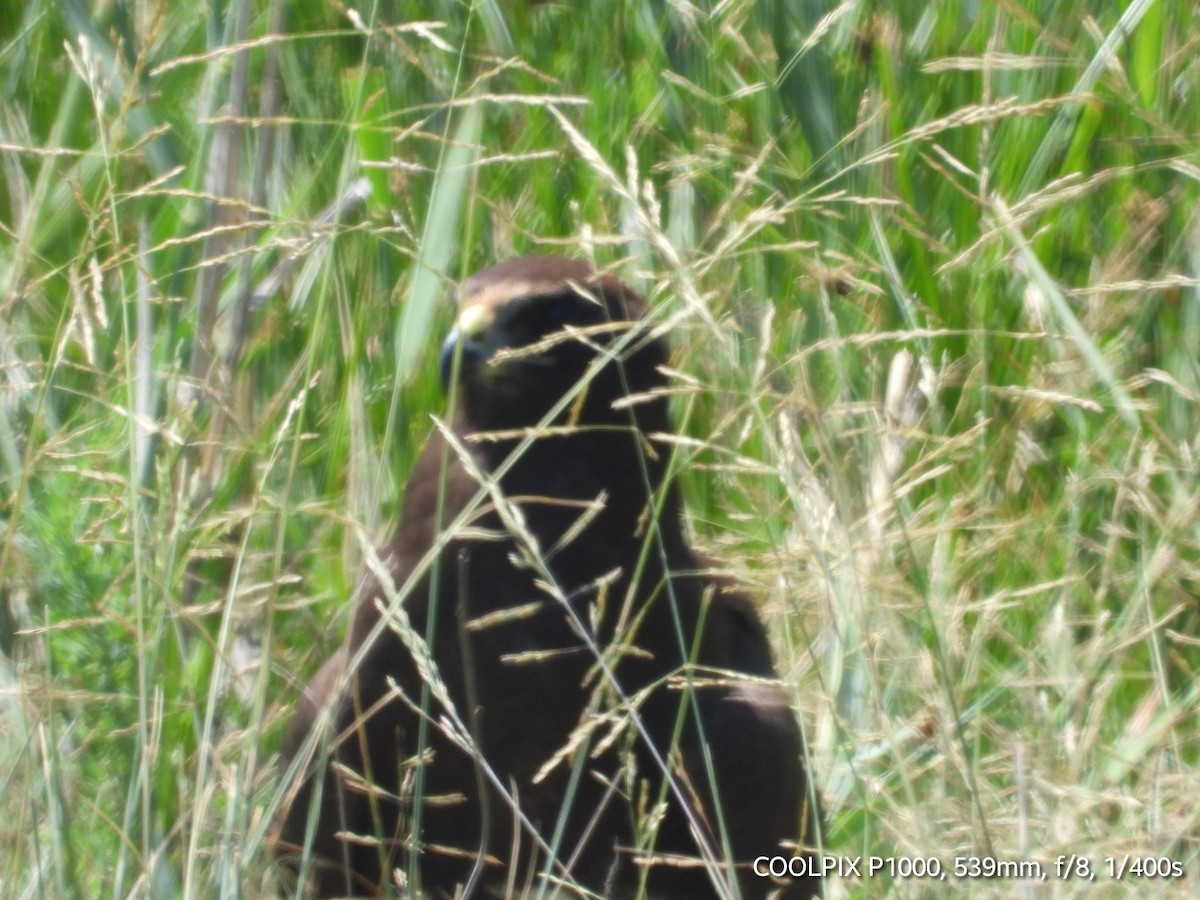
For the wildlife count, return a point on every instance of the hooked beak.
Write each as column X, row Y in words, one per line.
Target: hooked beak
column 467, row 344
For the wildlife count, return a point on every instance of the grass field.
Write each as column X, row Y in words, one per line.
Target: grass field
column 932, row 275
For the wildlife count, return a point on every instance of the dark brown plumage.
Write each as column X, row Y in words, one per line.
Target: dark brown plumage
column 555, row 560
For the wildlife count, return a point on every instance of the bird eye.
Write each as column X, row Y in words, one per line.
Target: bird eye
column 559, row 310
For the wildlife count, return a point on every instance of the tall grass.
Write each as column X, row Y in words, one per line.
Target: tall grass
column 932, row 279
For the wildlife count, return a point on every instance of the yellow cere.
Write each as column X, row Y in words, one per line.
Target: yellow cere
column 474, row 321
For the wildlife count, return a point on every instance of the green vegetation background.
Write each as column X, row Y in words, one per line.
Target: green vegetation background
column 931, row 271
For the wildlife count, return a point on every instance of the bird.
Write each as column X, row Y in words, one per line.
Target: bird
column 544, row 690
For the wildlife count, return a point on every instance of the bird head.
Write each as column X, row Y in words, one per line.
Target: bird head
column 532, row 330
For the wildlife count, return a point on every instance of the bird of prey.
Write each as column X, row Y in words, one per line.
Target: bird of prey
column 544, row 690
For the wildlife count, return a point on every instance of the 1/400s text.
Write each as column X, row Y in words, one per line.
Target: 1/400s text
column 1065, row 868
